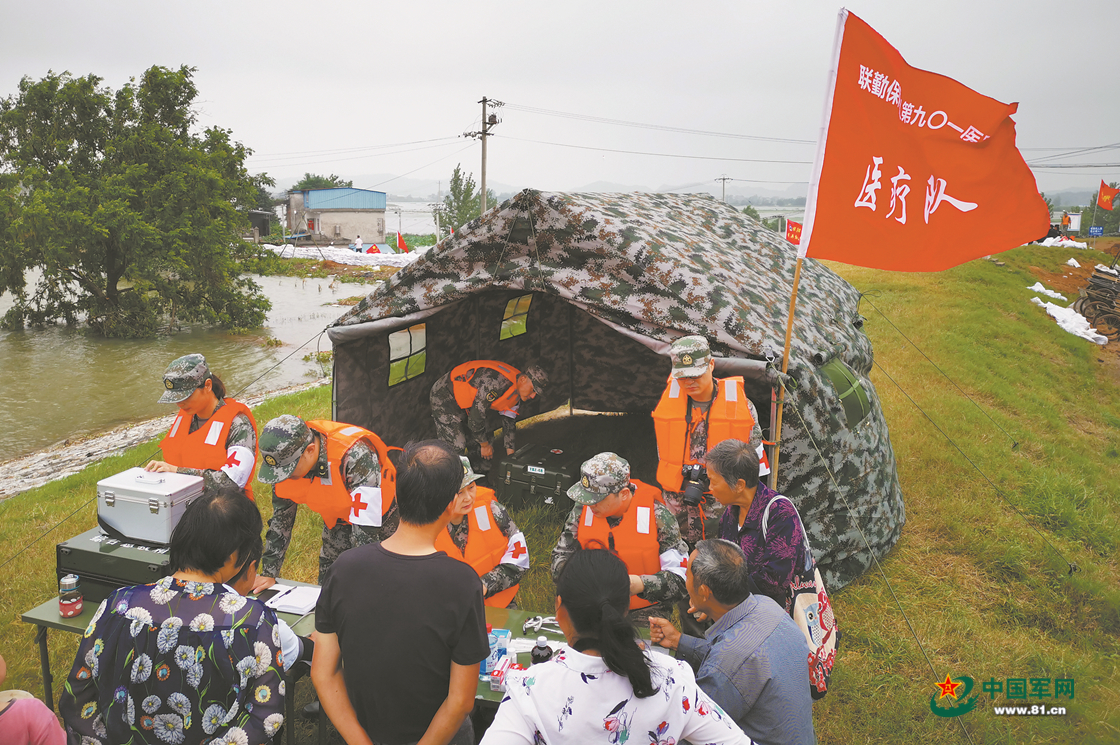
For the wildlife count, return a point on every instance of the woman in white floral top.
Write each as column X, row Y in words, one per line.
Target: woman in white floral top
column 185, row 660
column 602, row 687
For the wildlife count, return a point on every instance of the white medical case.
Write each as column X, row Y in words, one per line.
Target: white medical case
column 145, row 506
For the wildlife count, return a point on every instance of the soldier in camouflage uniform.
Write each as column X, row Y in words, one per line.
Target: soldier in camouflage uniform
column 491, row 386
column 290, row 449
column 650, row 267
column 200, row 395
column 606, row 491
column 692, row 370
column 513, row 565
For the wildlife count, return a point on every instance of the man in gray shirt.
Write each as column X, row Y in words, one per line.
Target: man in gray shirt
column 754, row 660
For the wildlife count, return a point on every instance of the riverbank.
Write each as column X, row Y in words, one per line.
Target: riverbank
column 69, row 457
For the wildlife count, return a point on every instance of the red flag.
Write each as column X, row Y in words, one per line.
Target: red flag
column 1104, row 199
column 402, row 247
column 793, row 232
column 914, row 171
column 373, row 249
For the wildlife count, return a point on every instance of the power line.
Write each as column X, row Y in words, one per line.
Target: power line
column 765, row 181
column 304, row 153
column 327, row 200
column 661, row 127
column 1079, row 151
column 1050, row 166
column 450, row 141
column 659, row 155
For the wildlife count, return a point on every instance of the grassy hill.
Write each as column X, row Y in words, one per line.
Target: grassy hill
column 981, row 571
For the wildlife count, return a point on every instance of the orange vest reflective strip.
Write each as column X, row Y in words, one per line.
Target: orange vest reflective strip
column 485, row 544
column 729, row 418
column 465, row 392
column 635, row 538
column 205, row 448
column 329, row 497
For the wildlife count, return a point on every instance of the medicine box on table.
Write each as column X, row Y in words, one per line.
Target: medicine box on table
column 145, row 506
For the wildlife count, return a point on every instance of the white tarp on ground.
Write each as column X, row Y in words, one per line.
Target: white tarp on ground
column 343, row 255
column 1103, row 268
column 1071, row 321
column 1063, row 242
column 1037, row 287
column 1073, row 262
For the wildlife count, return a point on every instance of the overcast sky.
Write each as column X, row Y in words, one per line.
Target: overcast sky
column 360, row 88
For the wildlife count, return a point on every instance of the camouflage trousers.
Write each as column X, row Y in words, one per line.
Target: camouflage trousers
column 640, row 616
column 341, row 537
column 696, row 522
column 449, row 419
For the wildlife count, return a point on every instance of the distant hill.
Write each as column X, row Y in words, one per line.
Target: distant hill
column 1072, row 197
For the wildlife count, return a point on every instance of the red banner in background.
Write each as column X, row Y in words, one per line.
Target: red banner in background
column 1107, row 194
column 793, row 232
column 914, row 171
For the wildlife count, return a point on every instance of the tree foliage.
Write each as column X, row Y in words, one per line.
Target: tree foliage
column 127, row 213
column 315, row 181
column 752, row 213
column 463, row 202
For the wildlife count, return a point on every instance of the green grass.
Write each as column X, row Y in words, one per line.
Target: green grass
column 979, row 584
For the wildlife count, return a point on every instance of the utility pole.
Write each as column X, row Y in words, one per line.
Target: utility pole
column 724, row 179
column 489, row 121
column 485, row 132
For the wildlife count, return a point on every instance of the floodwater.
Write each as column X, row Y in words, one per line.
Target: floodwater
column 57, row 382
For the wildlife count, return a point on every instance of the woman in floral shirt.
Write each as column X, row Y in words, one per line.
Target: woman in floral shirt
column 603, row 688
column 185, row 660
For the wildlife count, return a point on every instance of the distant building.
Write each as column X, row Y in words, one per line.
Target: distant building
column 337, row 214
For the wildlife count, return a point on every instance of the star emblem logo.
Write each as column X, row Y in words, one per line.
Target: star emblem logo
column 168, row 384
column 948, row 688
column 686, row 359
column 491, row 396
column 586, row 482
column 270, row 460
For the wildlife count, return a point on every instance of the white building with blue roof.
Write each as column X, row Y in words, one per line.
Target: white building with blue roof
column 337, row 215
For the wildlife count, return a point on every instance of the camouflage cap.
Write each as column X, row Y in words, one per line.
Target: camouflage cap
column 182, row 377
column 469, row 476
column 282, row 442
column 690, row 356
column 538, row 377
column 600, row 477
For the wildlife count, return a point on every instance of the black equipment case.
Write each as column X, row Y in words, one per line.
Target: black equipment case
column 538, row 475
column 103, row 564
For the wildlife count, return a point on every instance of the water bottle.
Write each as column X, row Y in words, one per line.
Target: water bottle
column 541, row 652
column 69, row 596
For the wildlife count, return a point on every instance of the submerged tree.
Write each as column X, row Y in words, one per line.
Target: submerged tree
column 315, row 181
column 127, row 211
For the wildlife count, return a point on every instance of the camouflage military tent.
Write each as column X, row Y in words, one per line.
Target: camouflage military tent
column 594, row 287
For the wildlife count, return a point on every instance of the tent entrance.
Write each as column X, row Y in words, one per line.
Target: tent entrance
column 383, row 379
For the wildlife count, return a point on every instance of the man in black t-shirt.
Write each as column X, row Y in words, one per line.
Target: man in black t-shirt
column 401, row 626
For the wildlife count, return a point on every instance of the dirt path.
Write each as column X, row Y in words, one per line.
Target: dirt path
column 68, row 457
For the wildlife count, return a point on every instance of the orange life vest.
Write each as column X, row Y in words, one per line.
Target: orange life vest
column 465, row 392
column 329, row 496
column 205, row 448
column 729, row 418
column 485, row 544
column 635, row 538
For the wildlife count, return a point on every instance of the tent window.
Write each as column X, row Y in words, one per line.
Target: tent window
column 852, row 395
column 407, row 352
column 515, row 320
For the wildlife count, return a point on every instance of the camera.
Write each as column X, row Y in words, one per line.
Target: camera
column 695, row 483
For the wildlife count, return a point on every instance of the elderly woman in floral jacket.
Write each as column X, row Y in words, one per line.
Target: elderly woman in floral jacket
column 187, row 659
